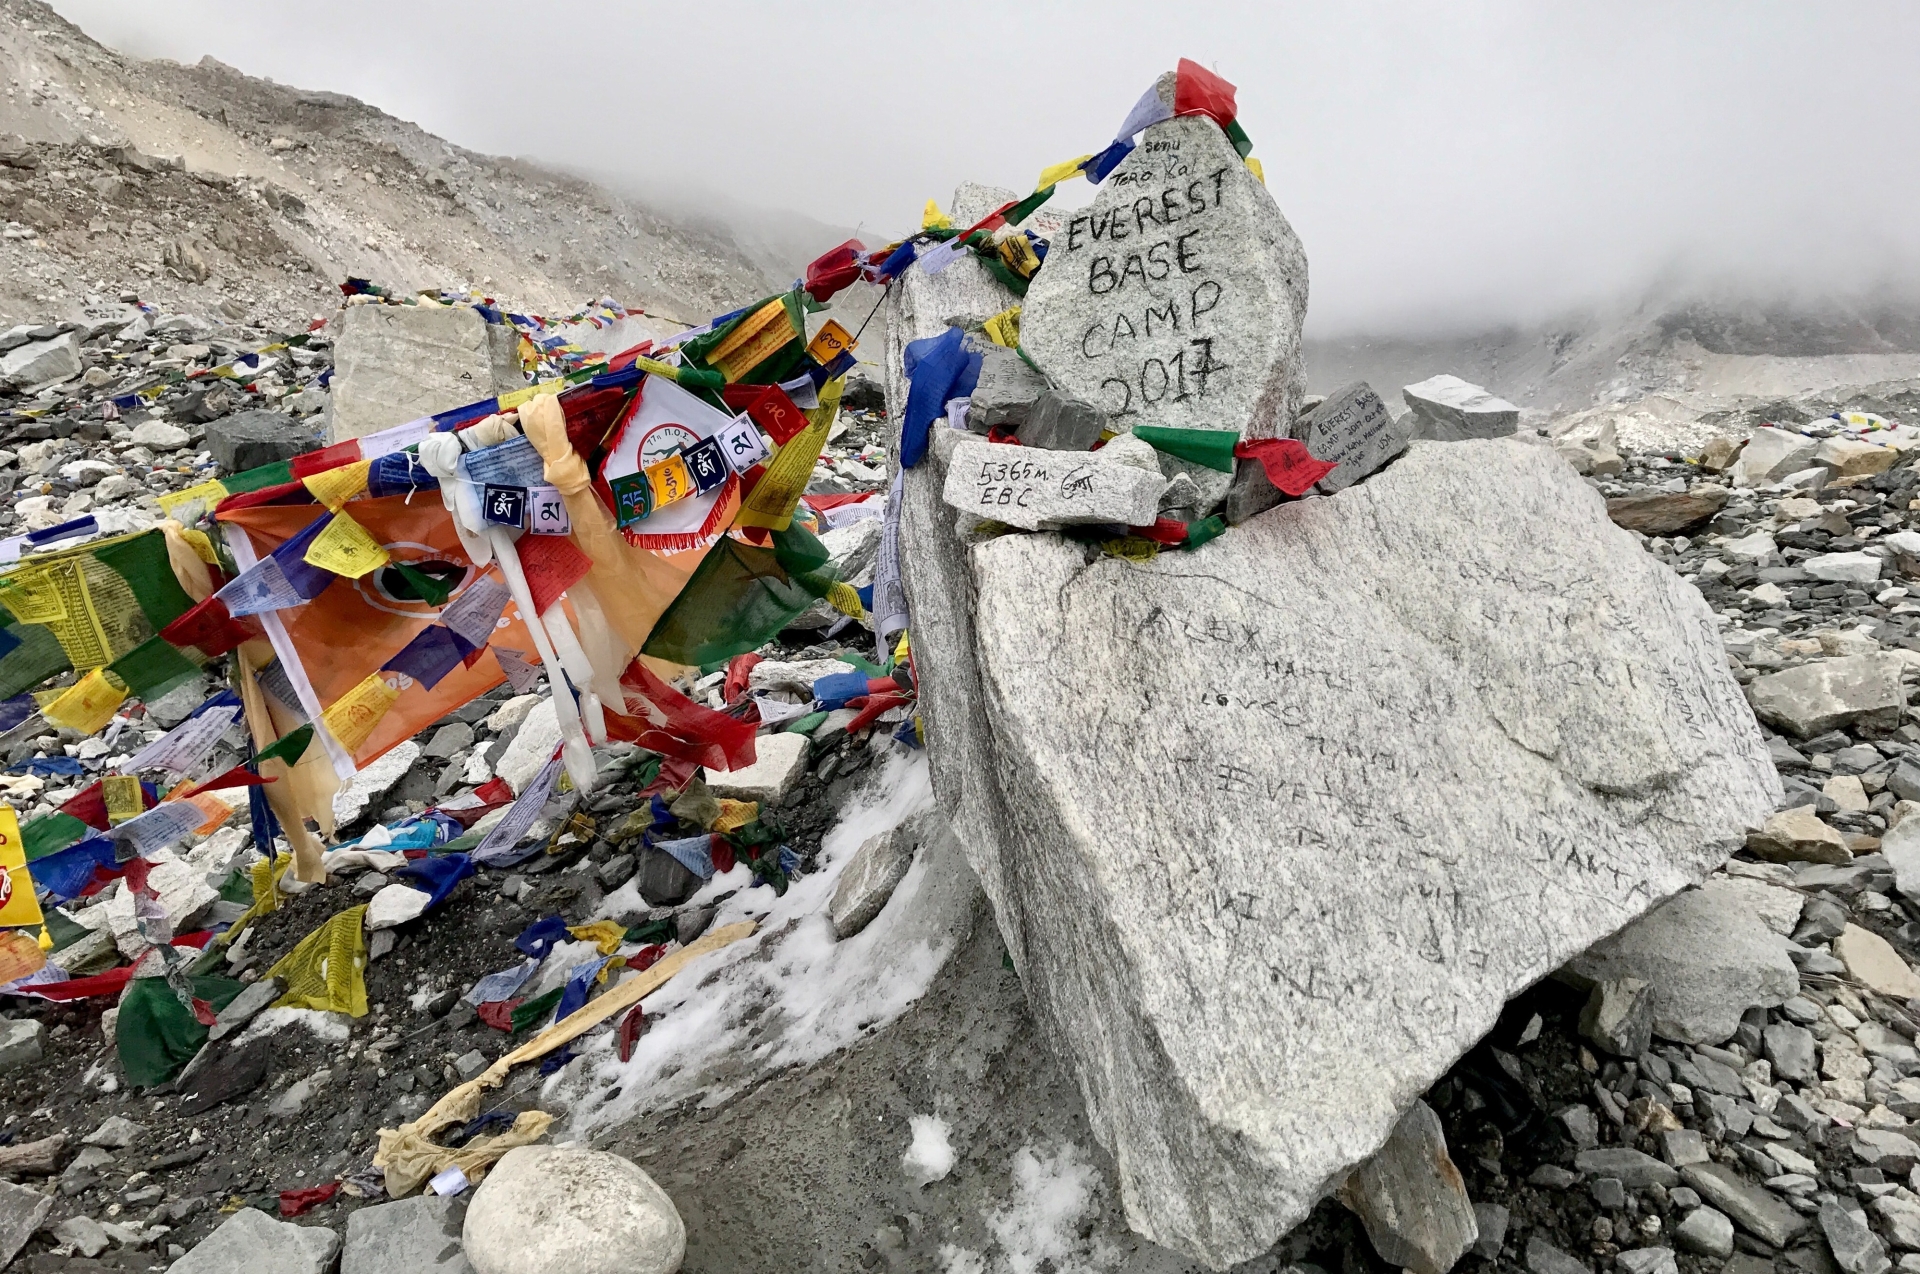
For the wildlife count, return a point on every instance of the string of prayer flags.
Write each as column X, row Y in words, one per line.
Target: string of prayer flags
column 552, row 564
column 334, row 487
column 768, row 406
column 476, row 613
column 352, row 717
column 346, row 548
column 662, row 421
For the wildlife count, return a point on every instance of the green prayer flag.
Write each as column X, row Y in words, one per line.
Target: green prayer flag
column 1205, row 529
column 51, row 833
column 289, row 747
column 428, row 589
column 536, row 1009
column 38, row 656
column 267, row 475
column 1242, row 144
column 156, row 1034
column 651, row 931
column 142, row 561
column 998, row 269
column 1210, row 447
column 1028, row 206
column 153, row 667
column 805, row 725
column 740, row 596
column 63, row 931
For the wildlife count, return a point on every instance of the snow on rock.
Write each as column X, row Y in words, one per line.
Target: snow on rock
column 929, row 1156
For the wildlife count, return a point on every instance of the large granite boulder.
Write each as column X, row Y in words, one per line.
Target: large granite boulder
column 1176, row 297
column 396, row 363
column 1273, row 828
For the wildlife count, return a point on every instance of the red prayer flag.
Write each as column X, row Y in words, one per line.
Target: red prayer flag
column 238, row 776
column 1289, row 465
column 768, row 407
column 1198, row 91
column 737, row 670
column 834, row 269
column 210, row 629
column 661, row 719
column 89, row 805
column 305, row 466
column 553, row 564
column 1163, row 531
column 299, row 1202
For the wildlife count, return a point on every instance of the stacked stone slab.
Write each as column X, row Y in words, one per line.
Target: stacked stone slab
column 1274, row 828
column 395, row 363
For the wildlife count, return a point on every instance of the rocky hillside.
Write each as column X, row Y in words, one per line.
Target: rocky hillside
column 199, row 184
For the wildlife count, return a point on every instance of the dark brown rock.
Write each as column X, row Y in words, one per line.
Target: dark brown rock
column 1666, row 512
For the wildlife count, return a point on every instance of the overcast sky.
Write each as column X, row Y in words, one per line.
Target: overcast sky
column 1445, row 163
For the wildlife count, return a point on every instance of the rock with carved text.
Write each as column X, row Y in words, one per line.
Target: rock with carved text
column 1176, row 298
column 1273, row 828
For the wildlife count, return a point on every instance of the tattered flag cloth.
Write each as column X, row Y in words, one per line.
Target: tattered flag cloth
column 661, row 719
column 741, row 596
column 157, row 1034
column 1288, row 463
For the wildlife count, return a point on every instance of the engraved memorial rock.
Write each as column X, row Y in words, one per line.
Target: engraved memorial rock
column 1355, row 430
column 1177, row 297
column 1030, row 488
column 1274, row 828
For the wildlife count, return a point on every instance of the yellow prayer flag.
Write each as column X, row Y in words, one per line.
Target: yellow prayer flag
column 931, row 218
column 1259, row 173
column 604, row 934
column 20, row 955
column 346, row 548
column 844, row 598
column 521, row 397
column 122, row 795
column 205, row 495
column 201, row 545
column 354, row 714
column 752, row 341
column 669, row 480
column 89, row 703
column 830, row 342
column 902, row 650
column 1017, row 251
column 735, row 814
column 326, row 970
column 18, row 906
column 1004, row 327
column 334, row 487
column 1061, row 172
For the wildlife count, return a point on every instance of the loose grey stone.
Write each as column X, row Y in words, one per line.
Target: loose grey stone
column 1618, row 1017
column 779, row 762
column 1553, row 1177
column 22, row 1042
column 249, row 439
column 38, row 362
column 869, row 879
column 1582, row 1125
column 294, row 1100
column 1647, row 1260
column 21, row 1211
column 1900, row 1218
column 1709, row 958
column 1901, row 845
column 1448, row 409
column 83, row 1234
column 1300, row 645
column 116, row 1132
column 408, row 1236
column 1856, row 691
column 1178, row 296
column 251, row 1242
column 1683, row 1197
column 1005, row 393
column 1706, row 1231
column 448, row 739
column 1754, row 1209
column 1250, row 493
column 1635, row 1170
column 1544, row 1258
column 247, row 1005
column 1885, row 1149
column 396, row 363
column 1411, row 1199
column 1354, row 429
column 1790, row 1049
column 1608, row 1192
column 470, row 1063
column 1491, row 1220
column 1061, row 422
column 1028, row 488
column 1682, row 1146
column 1855, row 1247
column 548, row 1210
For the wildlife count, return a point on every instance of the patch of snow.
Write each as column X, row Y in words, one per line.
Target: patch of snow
column 929, row 1156
column 1039, row 1227
column 790, row 994
column 335, row 1028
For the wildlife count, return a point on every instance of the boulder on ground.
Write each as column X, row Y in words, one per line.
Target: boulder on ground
column 1772, row 454
column 1798, row 836
column 1448, row 409
column 870, row 877
column 1381, row 757
column 251, row 1242
column 1708, row 956
column 1667, row 512
column 22, row 1209
column 550, row 1210
column 1831, row 694
column 250, row 439
column 420, row 1235
column 37, row 362
column 396, row 363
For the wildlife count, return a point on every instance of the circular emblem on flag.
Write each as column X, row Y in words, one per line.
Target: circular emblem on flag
column 665, row 440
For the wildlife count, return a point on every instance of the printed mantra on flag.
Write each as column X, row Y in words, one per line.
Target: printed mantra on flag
column 1178, row 256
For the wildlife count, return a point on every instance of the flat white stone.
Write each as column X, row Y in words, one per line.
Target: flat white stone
column 1175, row 298
column 1274, row 828
column 1030, row 488
column 373, row 781
column 779, row 760
column 1850, row 568
column 1447, row 409
column 395, row 905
